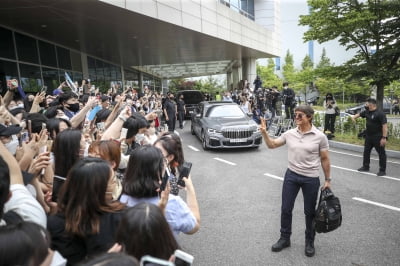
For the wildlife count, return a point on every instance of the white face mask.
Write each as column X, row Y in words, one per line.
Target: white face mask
column 12, row 145
column 139, row 137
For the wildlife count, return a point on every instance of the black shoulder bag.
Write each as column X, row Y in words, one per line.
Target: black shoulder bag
column 328, row 215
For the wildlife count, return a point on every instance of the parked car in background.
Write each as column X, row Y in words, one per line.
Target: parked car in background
column 220, row 124
column 357, row 109
column 192, row 98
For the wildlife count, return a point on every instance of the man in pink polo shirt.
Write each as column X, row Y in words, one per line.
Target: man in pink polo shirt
column 307, row 150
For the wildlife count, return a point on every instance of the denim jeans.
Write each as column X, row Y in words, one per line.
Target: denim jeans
column 291, row 186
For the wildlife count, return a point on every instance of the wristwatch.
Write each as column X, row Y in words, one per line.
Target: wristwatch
column 384, row 137
column 328, row 179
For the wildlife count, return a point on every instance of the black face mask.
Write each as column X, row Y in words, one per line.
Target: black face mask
column 74, row 107
column 172, row 98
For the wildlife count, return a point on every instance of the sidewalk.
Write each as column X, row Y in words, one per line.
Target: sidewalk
column 358, row 148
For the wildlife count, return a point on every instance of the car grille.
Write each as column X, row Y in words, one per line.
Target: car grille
column 237, row 133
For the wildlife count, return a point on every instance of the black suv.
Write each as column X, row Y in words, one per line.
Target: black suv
column 192, row 98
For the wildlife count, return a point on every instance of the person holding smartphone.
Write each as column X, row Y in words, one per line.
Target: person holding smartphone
column 307, row 150
column 146, row 168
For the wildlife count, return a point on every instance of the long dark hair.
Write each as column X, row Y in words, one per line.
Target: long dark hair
column 143, row 230
column 82, row 198
column 25, row 243
column 53, row 126
column 143, row 173
column 66, row 150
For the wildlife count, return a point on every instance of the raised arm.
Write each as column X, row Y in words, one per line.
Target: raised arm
column 270, row 142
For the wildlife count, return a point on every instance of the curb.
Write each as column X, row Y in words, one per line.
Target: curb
column 358, row 148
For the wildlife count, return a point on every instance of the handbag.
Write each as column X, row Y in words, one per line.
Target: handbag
column 328, row 216
column 337, row 111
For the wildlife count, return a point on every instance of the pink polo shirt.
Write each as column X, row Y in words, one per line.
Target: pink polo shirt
column 304, row 150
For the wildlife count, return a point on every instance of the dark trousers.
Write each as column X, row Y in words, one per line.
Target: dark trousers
column 374, row 142
column 330, row 123
column 289, row 111
column 181, row 117
column 291, row 186
column 171, row 123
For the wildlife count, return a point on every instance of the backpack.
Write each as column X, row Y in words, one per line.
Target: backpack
column 328, row 215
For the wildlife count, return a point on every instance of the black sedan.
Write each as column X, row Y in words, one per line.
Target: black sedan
column 224, row 125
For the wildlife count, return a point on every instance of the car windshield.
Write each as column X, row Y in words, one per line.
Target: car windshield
column 225, row 111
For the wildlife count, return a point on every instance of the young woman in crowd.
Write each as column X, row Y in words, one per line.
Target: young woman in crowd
column 56, row 125
column 145, row 231
column 170, row 145
column 110, row 151
column 143, row 176
column 87, row 218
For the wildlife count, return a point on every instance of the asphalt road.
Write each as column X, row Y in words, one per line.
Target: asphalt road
column 239, row 193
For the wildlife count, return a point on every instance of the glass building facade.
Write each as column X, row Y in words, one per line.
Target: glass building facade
column 37, row 63
column 244, row 7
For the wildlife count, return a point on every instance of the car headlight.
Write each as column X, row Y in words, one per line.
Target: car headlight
column 213, row 131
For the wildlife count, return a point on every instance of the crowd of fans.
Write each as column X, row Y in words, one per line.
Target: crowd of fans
column 80, row 178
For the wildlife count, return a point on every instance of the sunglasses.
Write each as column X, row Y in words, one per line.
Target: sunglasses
column 300, row 116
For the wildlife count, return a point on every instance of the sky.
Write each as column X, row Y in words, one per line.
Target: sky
column 292, row 36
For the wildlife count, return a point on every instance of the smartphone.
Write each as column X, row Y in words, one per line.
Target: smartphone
column 183, row 258
column 58, row 181
column 124, row 131
column 165, row 179
column 24, row 137
column 42, row 150
column 149, row 260
column 184, row 172
column 101, row 126
column 44, row 89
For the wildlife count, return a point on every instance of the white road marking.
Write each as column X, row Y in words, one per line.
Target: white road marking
column 360, row 156
column 193, row 148
column 274, row 176
column 366, row 173
column 224, row 161
column 377, row 204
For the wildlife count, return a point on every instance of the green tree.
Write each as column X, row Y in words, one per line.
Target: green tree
column 307, row 63
column 288, row 68
column 324, row 61
column 371, row 27
column 267, row 74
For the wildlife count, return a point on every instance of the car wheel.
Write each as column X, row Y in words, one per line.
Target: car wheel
column 192, row 130
column 203, row 141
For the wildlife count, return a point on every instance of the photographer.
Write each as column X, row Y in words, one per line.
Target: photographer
column 330, row 116
column 288, row 96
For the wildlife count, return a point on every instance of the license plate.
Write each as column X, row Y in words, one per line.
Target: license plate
column 237, row 140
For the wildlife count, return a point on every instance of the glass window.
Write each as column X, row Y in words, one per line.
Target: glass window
column 31, row 80
column 76, row 61
column 6, row 44
column 91, row 68
column 47, row 54
column 26, row 48
column 8, row 70
column 64, row 58
column 131, row 78
column 51, row 79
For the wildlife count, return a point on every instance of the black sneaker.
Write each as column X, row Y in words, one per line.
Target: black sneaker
column 309, row 250
column 281, row 244
column 363, row 169
column 381, row 173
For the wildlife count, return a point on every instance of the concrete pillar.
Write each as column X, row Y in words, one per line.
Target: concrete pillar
column 236, row 77
column 229, row 84
column 249, row 70
column 164, row 86
column 140, row 81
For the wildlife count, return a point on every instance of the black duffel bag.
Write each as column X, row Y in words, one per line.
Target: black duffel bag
column 328, row 215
